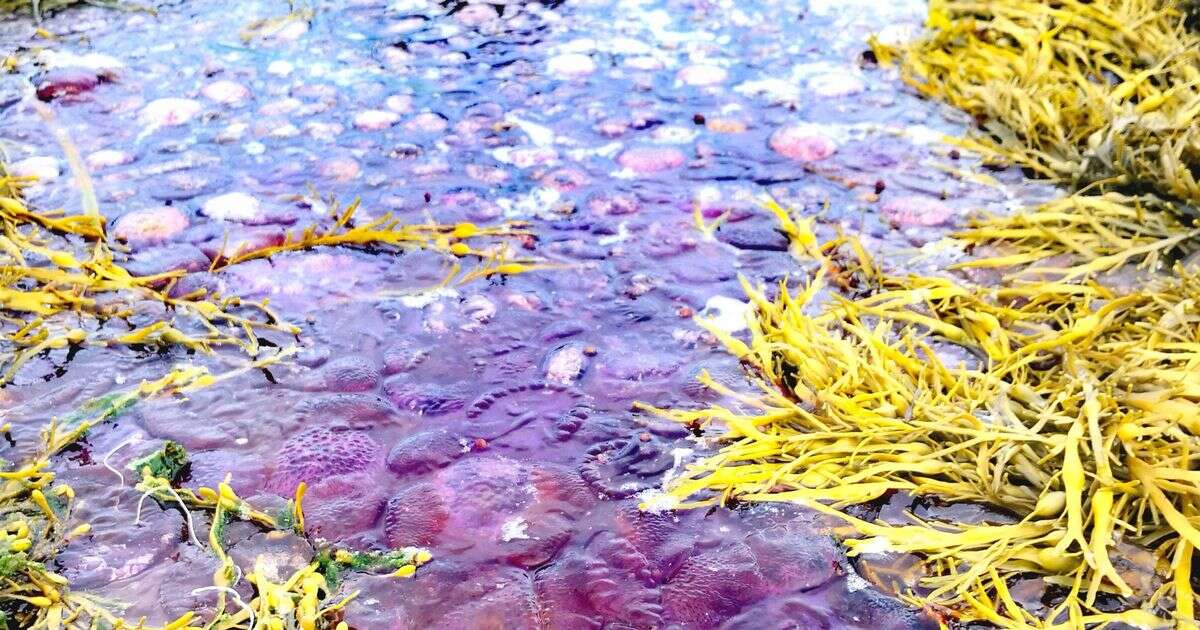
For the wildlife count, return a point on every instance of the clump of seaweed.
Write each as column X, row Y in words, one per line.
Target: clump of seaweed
column 63, row 288
column 1078, row 92
column 1077, row 414
column 36, row 523
column 35, row 513
column 1099, row 96
column 1079, row 420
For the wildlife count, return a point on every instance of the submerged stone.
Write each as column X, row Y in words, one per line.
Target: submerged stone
column 802, row 143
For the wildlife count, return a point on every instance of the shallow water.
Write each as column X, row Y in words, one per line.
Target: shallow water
column 492, row 424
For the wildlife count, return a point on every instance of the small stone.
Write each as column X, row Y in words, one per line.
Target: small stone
column 399, row 103
column 234, row 206
column 66, row 82
column 916, row 211
column 700, row 75
column 107, row 158
column 43, row 167
column 226, row 92
column 323, row 130
column 571, row 65
column 291, row 32
column 340, row 169
column 169, row 112
column 286, row 130
column 644, row 160
column 281, row 107
column 232, row 133
column 427, row 122
column 835, row 85
column 375, row 119
column 152, row 225
column 802, row 143
column 280, row 68
column 475, row 14
column 565, row 365
column 525, row 157
column 644, row 62
column 725, row 125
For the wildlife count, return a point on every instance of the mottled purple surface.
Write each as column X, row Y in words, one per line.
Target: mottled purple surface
column 493, row 425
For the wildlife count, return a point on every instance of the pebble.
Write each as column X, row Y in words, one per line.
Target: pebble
column 725, row 125
column 644, row 160
column 286, row 130
column 476, row 14
column 232, row 133
column 169, row 112
column 66, row 82
column 615, row 205
column 234, row 206
column 280, row 107
column 291, row 32
column 835, row 85
column 375, row 119
column 914, row 210
column 107, row 158
column 644, row 63
column 399, row 103
column 339, row 169
column 280, row 68
column 700, row 75
column 323, row 130
column 96, row 62
column 427, row 122
column 43, row 167
column 525, row 157
column 571, row 65
column 802, row 143
column 725, row 313
column 226, row 92
column 152, row 225
column 565, row 365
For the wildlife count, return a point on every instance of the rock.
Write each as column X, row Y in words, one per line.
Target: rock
column 226, row 92
column 161, row 259
column 280, row 68
column 286, row 130
column 43, row 167
column 107, row 158
column 339, row 169
column 399, row 103
column 66, row 82
column 169, row 112
column 281, row 107
column 803, row 143
column 425, row 452
column 614, row 205
column 835, row 85
column 234, row 206
column 571, row 65
column 232, row 133
column 646, row 160
column 702, row 75
column 426, row 122
column 915, row 210
column 566, row 364
column 725, row 125
column 152, row 225
column 375, row 119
